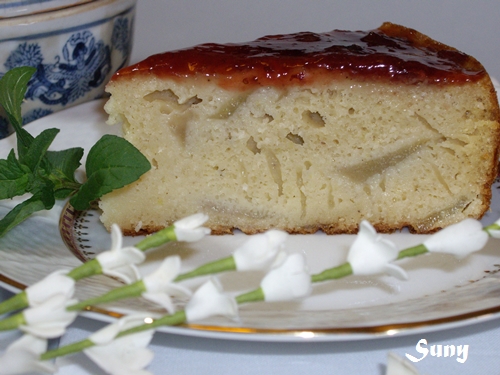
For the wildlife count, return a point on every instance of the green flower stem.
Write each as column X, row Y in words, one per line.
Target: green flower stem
column 16, row 302
column 136, row 289
column 128, row 291
column 493, row 226
column 12, row 322
column 87, row 269
column 345, row 269
column 333, row 273
column 66, row 350
column 157, row 239
column 20, row 300
column 167, row 320
column 221, row 265
column 412, row 251
column 252, row 296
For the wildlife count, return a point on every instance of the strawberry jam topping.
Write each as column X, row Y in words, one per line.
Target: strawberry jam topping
column 391, row 52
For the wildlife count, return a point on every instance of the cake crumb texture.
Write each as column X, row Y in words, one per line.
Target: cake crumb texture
column 308, row 157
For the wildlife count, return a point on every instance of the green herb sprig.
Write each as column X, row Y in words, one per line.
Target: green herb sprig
column 112, row 162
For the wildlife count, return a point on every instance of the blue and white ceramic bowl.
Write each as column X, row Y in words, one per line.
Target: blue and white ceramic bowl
column 16, row 8
column 76, row 50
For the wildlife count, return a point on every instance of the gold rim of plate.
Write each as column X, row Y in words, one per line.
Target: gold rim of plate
column 377, row 330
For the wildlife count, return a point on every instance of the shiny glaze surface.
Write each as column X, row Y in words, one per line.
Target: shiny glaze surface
column 391, row 52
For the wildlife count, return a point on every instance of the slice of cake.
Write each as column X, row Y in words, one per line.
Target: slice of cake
column 308, row 132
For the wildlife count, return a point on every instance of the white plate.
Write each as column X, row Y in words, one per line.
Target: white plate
column 441, row 292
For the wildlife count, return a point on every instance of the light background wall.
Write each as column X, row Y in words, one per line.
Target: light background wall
column 471, row 26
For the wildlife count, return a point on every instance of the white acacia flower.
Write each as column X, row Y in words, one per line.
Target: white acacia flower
column 261, row 251
column 190, row 228
column 120, row 261
column 288, row 281
column 23, row 356
column 459, row 239
column 399, row 366
column 160, row 287
column 126, row 355
column 371, row 254
column 50, row 318
column 210, row 300
column 495, row 232
column 55, row 283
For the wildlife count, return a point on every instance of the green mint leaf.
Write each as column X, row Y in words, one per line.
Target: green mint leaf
column 42, row 200
column 112, row 163
column 64, row 163
column 43, row 188
column 63, row 193
column 13, row 86
column 14, row 177
column 62, row 167
column 20, row 213
column 45, row 192
column 35, row 153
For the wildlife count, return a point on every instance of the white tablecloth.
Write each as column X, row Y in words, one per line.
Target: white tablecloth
column 179, row 355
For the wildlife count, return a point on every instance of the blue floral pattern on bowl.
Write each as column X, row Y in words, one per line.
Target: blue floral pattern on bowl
column 78, row 72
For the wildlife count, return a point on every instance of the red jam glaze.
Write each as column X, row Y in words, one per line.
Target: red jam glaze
column 391, row 52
